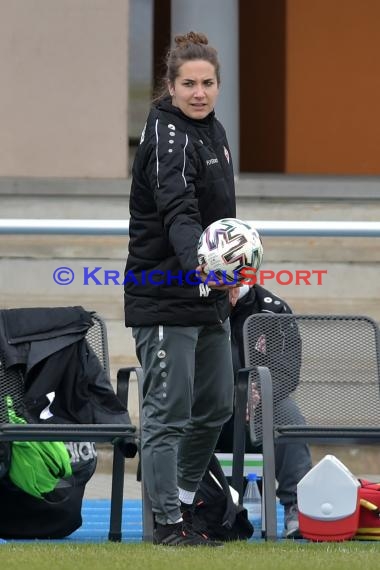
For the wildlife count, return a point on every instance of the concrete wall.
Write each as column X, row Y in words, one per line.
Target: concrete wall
column 63, row 96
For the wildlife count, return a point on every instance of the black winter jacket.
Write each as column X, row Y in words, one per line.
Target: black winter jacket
column 182, row 181
column 48, row 347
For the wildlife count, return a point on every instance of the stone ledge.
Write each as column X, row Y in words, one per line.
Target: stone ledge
column 270, row 186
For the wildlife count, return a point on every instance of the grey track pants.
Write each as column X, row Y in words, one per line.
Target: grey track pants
column 187, row 397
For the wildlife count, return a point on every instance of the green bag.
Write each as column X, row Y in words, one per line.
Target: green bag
column 36, row 466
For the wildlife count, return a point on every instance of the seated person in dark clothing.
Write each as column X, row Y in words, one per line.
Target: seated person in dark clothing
column 282, row 355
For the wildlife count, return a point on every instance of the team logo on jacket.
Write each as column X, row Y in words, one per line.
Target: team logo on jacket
column 226, row 154
column 261, row 344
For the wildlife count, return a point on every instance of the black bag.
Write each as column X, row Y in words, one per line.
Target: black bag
column 58, row 514
column 215, row 513
column 5, row 457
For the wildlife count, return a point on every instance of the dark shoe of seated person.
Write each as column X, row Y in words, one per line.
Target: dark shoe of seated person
column 180, row 534
column 292, row 529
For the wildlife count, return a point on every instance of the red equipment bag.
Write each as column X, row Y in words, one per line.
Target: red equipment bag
column 369, row 517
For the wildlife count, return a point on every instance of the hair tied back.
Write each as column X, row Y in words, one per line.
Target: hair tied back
column 190, row 38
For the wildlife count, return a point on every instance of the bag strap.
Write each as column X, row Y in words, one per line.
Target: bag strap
column 216, row 470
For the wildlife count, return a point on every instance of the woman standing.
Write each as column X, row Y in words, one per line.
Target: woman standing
column 182, row 180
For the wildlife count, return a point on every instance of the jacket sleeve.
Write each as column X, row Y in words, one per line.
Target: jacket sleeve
column 172, row 172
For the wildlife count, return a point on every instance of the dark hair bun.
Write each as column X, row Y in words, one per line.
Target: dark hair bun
column 190, row 38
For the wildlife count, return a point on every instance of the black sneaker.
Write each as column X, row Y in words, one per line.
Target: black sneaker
column 197, row 524
column 187, row 512
column 180, row 534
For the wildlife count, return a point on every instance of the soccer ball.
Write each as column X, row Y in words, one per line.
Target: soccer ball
column 228, row 246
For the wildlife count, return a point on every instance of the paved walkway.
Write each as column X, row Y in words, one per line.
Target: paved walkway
column 99, row 486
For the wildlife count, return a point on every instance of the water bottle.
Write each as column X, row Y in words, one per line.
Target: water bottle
column 252, row 502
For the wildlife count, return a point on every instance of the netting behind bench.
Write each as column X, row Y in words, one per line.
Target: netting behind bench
column 11, row 384
column 326, row 372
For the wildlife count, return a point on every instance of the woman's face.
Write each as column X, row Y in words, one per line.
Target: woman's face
column 195, row 89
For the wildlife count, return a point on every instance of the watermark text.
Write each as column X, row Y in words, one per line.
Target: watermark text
column 99, row 276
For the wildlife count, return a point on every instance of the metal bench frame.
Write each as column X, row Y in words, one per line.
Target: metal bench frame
column 272, row 434
column 111, row 433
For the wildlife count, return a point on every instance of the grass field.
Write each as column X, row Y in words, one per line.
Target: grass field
column 234, row 556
